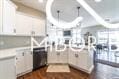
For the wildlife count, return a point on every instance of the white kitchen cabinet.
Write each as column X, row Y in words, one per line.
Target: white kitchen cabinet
column 57, row 57
column 24, row 62
column 23, row 24
column 9, row 15
column 73, row 57
column 28, row 60
column 82, row 60
column 27, row 25
column 7, row 68
column 39, row 27
column 63, row 56
column 52, row 56
column 20, row 63
column 1, row 17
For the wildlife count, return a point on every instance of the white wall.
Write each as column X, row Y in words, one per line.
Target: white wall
column 93, row 30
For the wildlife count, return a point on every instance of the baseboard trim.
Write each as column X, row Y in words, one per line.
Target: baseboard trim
column 84, row 70
column 21, row 74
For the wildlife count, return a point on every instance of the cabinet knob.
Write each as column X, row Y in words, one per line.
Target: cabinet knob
column 31, row 53
column 76, row 55
column 58, row 53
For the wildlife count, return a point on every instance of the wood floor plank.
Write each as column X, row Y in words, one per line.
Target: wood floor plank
column 100, row 72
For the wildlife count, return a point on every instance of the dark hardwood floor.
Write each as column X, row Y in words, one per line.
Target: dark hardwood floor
column 100, row 72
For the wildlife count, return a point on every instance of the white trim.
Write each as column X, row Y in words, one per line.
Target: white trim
column 84, row 70
column 21, row 74
column 12, row 4
column 91, row 69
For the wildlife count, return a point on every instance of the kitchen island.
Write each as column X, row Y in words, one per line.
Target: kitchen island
column 82, row 60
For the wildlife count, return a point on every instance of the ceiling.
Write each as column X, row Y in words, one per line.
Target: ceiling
column 108, row 9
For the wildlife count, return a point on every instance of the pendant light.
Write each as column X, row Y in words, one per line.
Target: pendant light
column 58, row 16
column 78, row 8
column 78, row 25
column 58, row 13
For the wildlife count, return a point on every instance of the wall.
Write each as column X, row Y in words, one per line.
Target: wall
column 21, row 41
column 16, row 41
column 93, row 29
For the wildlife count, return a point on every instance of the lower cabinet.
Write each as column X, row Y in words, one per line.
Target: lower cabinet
column 73, row 57
column 82, row 60
column 24, row 62
column 7, row 68
column 57, row 57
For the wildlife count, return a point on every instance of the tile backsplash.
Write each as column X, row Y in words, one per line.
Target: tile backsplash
column 16, row 41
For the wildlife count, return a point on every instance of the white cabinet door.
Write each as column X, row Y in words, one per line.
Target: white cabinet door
column 63, row 58
column 9, row 12
column 72, row 57
column 52, row 56
column 20, row 63
column 24, row 62
column 1, row 17
column 23, row 24
column 82, row 60
column 28, row 60
column 39, row 27
column 7, row 68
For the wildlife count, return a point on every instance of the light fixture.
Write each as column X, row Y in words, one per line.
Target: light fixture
column 41, row 1
column 78, row 16
column 78, row 10
column 58, row 14
column 96, row 16
column 87, row 7
column 98, row 0
column 63, row 24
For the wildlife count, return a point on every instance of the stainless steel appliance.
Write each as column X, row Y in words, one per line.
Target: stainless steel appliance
column 39, row 58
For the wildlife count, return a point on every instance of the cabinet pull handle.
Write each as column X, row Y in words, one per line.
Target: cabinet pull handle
column 16, row 58
column 58, row 53
column 23, row 54
column 76, row 55
column 33, row 32
column 14, row 30
column 31, row 53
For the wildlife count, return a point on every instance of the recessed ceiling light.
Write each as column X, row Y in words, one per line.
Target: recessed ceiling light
column 41, row 1
column 98, row 0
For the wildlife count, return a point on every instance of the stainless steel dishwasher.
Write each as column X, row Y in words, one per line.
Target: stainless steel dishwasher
column 39, row 58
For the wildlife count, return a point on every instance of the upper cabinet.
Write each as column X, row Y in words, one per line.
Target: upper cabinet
column 17, row 23
column 28, row 25
column 8, row 17
column 23, row 24
column 38, row 27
